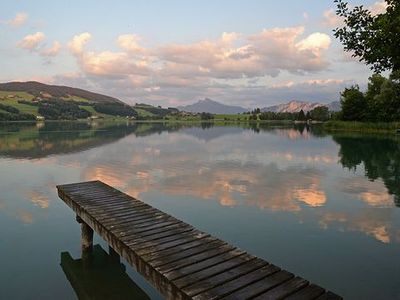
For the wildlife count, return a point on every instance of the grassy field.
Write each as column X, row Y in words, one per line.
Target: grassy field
column 361, row 126
column 75, row 98
column 23, row 108
column 143, row 113
column 17, row 95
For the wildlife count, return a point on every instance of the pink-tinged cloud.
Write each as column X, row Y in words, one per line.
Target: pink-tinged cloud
column 232, row 56
column 78, row 42
column 52, row 51
column 19, row 19
column 32, row 42
column 130, row 43
column 332, row 20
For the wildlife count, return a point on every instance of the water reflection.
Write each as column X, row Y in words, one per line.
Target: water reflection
column 100, row 277
column 27, row 140
column 378, row 155
column 330, row 197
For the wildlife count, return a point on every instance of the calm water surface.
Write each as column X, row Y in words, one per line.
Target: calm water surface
column 324, row 206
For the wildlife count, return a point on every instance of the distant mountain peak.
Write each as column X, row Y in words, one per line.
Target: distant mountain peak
column 211, row 106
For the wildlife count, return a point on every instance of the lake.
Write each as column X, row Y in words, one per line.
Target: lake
column 325, row 206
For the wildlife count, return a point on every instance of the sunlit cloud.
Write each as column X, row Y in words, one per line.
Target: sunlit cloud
column 164, row 73
column 32, row 42
column 52, row 51
column 19, row 19
column 332, row 20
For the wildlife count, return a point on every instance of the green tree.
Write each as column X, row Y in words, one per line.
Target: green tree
column 301, row 116
column 374, row 39
column 320, row 113
column 354, row 104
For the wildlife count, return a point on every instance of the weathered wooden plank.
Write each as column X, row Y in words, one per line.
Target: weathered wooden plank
column 168, row 242
column 201, row 262
column 310, row 292
column 260, row 286
column 128, row 220
column 169, row 229
column 152, row 228
column 238, row 283
column 180, row 261
column 284, row 290
column 139, row 242
column 182, row 255
column 105, row 216
column 146, row 223
column 201, row 281
column 167, row 252
column 132, row 216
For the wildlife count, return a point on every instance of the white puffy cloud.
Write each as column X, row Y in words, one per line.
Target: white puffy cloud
column 78, row 42
column 232, row 56
column 19, row 19
column 32, row 41
column 53, row 50
column 130, row 42
column 226, row 68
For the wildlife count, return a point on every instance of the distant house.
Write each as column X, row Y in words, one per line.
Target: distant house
column 92, row 118
column 11, row 96
column 39, row 118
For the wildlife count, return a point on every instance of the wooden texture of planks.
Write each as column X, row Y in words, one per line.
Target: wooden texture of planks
column 179, row 260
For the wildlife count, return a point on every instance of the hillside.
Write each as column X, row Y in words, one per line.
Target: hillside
column 213, row 107
column 40, row 89
column 296, row 106
column 33, row 100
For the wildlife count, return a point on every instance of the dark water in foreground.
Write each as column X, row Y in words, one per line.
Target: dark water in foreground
column 324, row 206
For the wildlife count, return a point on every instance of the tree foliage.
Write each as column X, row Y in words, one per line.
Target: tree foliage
column 380, row 103
column 56, row 109
column 206, row 116
column 115, row 109
column 320, row 113
column 374, row 39
column 9, row 108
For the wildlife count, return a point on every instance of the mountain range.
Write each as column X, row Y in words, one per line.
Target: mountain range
column 214, row 107
column 41, row 90
column 296, row 106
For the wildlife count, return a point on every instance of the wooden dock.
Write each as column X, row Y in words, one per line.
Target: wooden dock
column 177, row 259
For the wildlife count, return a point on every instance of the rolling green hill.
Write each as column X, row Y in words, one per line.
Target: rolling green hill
column 31, row 100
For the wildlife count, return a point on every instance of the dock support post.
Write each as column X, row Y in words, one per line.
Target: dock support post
column 87, row 236
column 114, row 256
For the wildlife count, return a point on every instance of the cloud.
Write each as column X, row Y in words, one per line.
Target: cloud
column 78, row 42
column 32, row 42
column 165, row 73
column 378, row 7
column 332, row 20
column 19, row 20
column 130, row 42
column 53, row 50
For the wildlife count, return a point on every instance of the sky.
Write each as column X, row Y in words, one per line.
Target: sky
column 252, row 53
